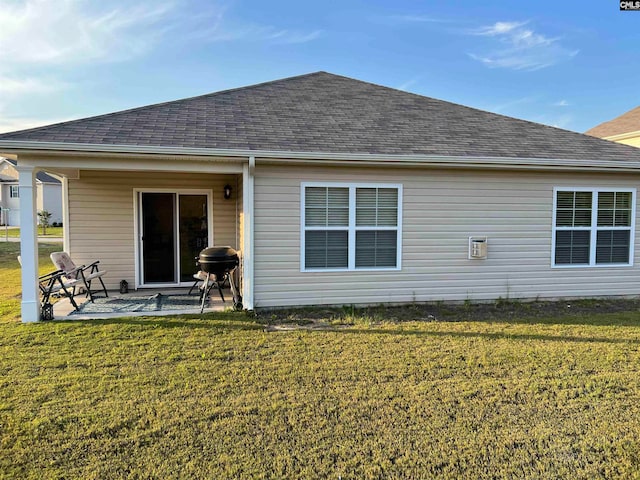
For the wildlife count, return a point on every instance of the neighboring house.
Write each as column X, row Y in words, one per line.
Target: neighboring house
column 342, row 192
column 49, row 194
column 623, row 129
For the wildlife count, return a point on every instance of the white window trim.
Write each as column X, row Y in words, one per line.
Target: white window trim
column 13, row 188
column 594, row 227
column 351, row 228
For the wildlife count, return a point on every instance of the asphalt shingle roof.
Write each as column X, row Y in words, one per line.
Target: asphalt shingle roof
column 626, row 123
column 322, row 112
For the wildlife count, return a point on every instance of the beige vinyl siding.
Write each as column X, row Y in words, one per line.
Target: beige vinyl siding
column 441, row 209
column 101, row 215
column 634, row 142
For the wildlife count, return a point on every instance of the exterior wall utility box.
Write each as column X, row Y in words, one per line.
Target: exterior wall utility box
column 478, row 248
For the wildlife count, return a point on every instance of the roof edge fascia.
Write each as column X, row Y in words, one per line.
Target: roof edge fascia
column 14, row 146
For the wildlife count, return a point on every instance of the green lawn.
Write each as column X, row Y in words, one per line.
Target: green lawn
column 220, row 397
column 10, row 276
column 15, row 232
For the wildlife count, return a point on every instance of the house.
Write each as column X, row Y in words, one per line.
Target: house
column 623, row 129
column 48, row 196
column 338, row 191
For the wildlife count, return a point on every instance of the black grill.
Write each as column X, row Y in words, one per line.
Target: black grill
column 220, row 262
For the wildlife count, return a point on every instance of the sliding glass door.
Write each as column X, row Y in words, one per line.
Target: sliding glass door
column 172, row 228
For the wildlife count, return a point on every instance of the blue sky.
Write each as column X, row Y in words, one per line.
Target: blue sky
column 568, row 64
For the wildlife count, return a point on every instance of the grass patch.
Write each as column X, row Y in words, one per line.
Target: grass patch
column 217, row 396
column 15, row 232
column 10, row 276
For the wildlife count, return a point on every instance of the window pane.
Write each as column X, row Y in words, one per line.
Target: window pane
column 565, row 200
column 606, row 200
column 376, row 248
column 387, row 217
column 605, row 218
column 338, row 217
column 326, row 249
column 315, row 217
column 315, row 197
column 338, row 206
column 623, row 200
column 583, row 200
column 326, row 207
column 564, row 218
column 573, row 209
column 366, row 206
column 582, row 218
column 315, row 206
column 622, row 218
column 338, row 197
column 366, row 217
column 366, row 198
column 388, row 197
column 376, row 207
column 614, row 209
column 613, row 246
column 572, row 247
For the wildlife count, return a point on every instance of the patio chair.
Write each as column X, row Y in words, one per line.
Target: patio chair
column 85, row 274
column 55, row 283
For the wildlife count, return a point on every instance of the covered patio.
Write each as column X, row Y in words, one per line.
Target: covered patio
column 160, row 302
column 145, row 217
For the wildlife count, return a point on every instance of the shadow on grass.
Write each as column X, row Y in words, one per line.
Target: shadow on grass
column 587, row 312
column 623, row 318
column 492, row 336
column 214, row 321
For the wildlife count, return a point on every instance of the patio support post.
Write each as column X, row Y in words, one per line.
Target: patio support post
column 65, row 214
column 247, row 227
column 29, row 243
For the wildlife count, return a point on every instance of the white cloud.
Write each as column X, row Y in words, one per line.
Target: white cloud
column 41, row 40
column 291, row 37
column 515, row 46
column 561, row 103
column 76, row 31
column 499, row 28
column 406, row 85
column 214, row 28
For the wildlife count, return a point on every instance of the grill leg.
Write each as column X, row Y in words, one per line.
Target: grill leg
column 219, row 284
column 205, row 290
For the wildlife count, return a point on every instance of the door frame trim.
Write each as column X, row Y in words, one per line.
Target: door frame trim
column 137, row 240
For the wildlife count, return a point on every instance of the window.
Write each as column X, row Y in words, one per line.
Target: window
column 593, row 227
column 14, row 191
column 350, row 227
